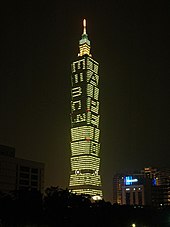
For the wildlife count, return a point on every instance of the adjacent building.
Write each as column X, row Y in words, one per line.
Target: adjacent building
column 85, row 131
column 17, row 174
column 161, row 191
column 131, row 189
column 149, row 187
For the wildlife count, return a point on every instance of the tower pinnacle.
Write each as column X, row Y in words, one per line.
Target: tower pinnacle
column 84, row 26
column 84, row 43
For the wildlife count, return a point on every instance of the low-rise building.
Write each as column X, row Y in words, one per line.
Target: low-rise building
column 17, row 173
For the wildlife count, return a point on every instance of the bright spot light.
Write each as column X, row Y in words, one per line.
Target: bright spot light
column 133, row 225
column 97, row 197
column 84, row 22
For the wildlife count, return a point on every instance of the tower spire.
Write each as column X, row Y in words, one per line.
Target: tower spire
column 84, row 26
column 84, row 43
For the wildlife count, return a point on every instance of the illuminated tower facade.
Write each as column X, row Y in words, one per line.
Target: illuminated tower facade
column 85, row 132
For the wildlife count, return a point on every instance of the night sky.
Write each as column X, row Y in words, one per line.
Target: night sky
column 129, row 39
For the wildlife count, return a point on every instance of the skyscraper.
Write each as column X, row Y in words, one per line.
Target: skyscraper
column 85, row 133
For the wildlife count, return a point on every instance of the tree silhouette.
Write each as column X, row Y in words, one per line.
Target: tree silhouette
column 60, row 207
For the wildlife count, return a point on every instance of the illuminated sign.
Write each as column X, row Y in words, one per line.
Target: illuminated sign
column 129, row 180
column 154, row 182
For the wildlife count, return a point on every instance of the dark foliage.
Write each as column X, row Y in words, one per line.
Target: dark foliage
column 20, row 207
column 59, row 207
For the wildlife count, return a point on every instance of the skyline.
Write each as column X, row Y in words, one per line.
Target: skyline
column 129, row 40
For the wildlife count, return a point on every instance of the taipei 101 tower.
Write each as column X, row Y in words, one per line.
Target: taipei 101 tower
column 85, row 132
